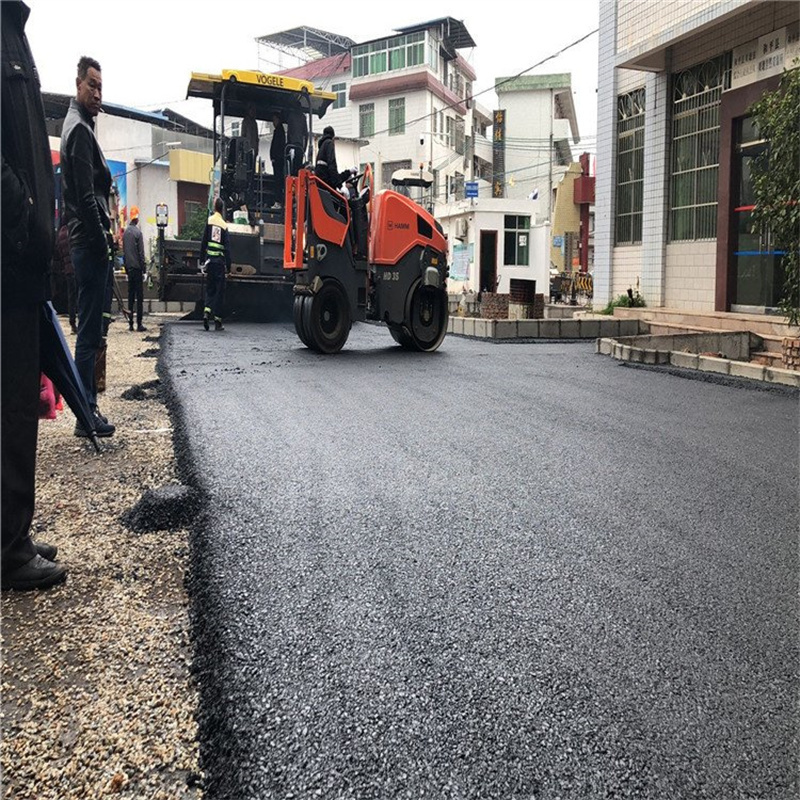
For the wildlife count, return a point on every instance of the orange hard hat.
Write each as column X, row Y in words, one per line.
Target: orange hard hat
column 134, row 212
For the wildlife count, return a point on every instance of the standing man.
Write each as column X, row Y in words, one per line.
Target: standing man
column 133, row 254
column 297, row 138
column 250, row 130
column 28, row 204
column 277, row 155
column 216, row 249
column 86, row 185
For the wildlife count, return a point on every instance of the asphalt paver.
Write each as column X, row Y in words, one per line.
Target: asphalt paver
column 508, row 571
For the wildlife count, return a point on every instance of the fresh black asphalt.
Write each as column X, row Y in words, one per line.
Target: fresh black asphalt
column 507, row 571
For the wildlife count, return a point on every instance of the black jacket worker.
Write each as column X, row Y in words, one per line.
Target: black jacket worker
column 326, row 168
column 27, row 234
column 133, row 256
column 86, row 186
column 277, row 155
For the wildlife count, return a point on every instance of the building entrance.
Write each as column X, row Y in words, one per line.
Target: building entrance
column 757, row 265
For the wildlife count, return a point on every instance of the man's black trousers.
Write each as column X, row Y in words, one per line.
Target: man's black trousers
column 135, row 295
column 20, row 427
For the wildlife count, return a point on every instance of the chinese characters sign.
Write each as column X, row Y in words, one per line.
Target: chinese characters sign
column 499, row 153
column 766, row 56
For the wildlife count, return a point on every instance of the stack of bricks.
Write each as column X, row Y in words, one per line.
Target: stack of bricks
column 494, row 306
column 790, row 353
column 538, row 306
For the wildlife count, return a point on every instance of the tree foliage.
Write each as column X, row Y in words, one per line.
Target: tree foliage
column 776, row 181
column 194, row 226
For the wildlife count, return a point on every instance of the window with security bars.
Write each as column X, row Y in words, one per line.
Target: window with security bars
column 630, row 167
column 366, row 120
column 340, row 90
column 517, row 240
column 397, row 116
column 696, row 95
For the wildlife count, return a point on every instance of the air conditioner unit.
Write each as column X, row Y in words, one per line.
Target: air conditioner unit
column 462, row 228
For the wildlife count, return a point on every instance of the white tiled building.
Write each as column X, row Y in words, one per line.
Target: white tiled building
column 676, row 80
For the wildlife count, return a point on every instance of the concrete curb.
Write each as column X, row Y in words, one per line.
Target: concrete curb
column 702, row 363
column 505, row 329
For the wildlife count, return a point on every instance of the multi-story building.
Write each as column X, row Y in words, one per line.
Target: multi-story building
column 674, row 146
column 408, row 95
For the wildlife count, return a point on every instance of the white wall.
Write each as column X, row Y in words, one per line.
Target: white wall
column 489, row 215
column 691, row 275
column 153, row 186
column 124, row 139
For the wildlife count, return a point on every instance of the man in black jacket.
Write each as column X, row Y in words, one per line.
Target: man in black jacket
column 326, row 168
column 277, row 155
column 133, row 255
column 27, row 234
column 297, row 137
column 86, row 185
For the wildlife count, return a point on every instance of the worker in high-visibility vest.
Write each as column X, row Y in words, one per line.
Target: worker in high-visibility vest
column 215, row 247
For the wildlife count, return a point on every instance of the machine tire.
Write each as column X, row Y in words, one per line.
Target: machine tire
column 326, row 318
column 298, row 314
column 426, row 318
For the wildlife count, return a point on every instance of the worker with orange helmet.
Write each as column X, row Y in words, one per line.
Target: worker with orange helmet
column 133, row 255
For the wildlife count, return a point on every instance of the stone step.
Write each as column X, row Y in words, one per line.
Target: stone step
column 760, row 324
column 767, row 358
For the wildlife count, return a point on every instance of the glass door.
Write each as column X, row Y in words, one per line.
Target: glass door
column 757, row 265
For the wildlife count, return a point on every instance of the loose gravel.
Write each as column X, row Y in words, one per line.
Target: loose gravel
column 98, row 699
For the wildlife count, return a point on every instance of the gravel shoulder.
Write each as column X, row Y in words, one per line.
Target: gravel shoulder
column 98, row 699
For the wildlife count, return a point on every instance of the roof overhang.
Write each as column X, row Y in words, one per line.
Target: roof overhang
column 307, row 43
column 454, row 32
column 652, row 55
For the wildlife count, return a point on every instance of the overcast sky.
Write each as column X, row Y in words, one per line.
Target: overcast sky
column 148, row 49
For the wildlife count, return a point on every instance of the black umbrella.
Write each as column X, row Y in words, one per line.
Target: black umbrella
column 57, row 363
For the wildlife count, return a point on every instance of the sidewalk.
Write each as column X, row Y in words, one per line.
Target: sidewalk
column 97, row 696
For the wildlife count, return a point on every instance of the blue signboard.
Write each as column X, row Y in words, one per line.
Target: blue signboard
column 471, row 189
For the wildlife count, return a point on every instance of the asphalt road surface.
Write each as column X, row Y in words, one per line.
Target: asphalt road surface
column 505, row 571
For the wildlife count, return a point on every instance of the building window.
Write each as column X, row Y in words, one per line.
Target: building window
column 630, row 167
column 360, row 64
column 397, row 116
column 415, row 54
column 517, row 240
column 236, row 128
column 340, row 90
column 390, row 54
column 397, row 53
column 451, row 131
column 460, row 144
column 695, row 150
column 377, row 58
column 366, row 120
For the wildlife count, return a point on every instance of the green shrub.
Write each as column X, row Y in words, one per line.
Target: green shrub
column 630, row 300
